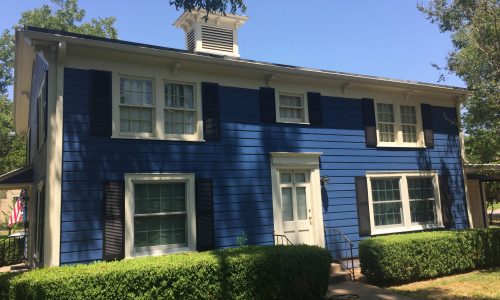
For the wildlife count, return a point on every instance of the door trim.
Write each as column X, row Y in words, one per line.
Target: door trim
column 304, row 161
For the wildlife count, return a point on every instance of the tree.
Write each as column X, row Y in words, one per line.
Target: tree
column 475, row 32
column 211, row 6
column 68, row 17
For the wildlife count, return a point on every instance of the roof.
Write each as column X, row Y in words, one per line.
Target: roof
column 17, row 178
column 283, row 67
column 484, row 172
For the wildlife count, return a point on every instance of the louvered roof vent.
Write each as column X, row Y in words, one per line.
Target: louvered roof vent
column 217, row 35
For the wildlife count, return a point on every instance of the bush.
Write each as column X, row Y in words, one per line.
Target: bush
column 402, row 258
column 242, row 273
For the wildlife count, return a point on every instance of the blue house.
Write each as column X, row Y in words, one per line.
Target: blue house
column 141, row 150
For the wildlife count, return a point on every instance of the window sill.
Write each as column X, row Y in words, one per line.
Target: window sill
column 292, row 122
column 409, row 146
column 160, row 251
column 390, row 230
column 154, row 138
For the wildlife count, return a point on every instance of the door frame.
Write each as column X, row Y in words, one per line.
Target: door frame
column 298, row 161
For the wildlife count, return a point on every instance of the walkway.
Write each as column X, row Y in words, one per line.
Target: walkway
column 361, row 290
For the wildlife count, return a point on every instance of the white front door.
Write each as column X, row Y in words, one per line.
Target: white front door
column 297, row 217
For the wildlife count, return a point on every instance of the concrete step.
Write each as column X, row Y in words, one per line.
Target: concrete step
column 339, row 277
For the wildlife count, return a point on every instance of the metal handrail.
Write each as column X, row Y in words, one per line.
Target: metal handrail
column 346, row 244
column 12, row 250
column 281, row 238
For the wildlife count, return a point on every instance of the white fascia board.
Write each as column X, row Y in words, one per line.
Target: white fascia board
column 266, row 68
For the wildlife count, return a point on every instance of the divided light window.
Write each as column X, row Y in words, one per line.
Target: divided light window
column 403, row 202
column 291, row 108
column 136, row 105
column 398, row 125
column 180, row 109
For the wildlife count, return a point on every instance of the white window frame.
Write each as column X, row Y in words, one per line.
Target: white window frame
column 158, row 117
column 406, row 225
column 398, row 132
column 133, row 178
column 153, row 108
column 198, row 123
column 304, row 103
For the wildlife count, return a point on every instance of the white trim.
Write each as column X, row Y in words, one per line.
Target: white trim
column 159, row 78
column 52, row 224
column 130, row 179
column 36, row 212
column 305, row 110
column 396, row 104
column 301, row 161
column 406, row 225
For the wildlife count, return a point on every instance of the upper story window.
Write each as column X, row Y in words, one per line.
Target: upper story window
column 398, row 125
column 403, row 201
column 180, row 110
column 291, row 108
column 140, row 115
column 136, row 105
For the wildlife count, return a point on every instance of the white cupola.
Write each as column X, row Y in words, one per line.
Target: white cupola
column 217, row 35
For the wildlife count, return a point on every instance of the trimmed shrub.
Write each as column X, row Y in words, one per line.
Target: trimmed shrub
column 402, row 258
column 242, row 273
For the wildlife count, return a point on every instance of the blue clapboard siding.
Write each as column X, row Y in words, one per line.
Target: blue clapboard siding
column 239, row 166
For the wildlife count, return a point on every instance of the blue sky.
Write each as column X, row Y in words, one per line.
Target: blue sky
column 388, row 38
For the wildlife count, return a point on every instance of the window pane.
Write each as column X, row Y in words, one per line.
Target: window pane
column 301, row 203
column 385, row 113
column 136, row 119
column 179, row 95
column 408, row 114
column 179, row 122
column 286, row 177
column 387, row 213
column 422, row 201
column 173, row 197
column 291, row 107
column 300, row 177
column 160, row 230
column 136, row 91
column 385, row 190
column 409, row 133
column 386, row 132
column 160, row 197
column 286, row 198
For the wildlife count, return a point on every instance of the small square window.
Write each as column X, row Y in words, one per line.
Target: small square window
column 398, row 125
column 291, row 108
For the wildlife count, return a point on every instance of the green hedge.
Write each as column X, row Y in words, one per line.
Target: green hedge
column 402, row 258
column 268, row 272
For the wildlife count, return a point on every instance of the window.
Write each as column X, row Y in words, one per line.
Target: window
column 398, row 125
column 294, row 186
column 41, row 113
column 160, row 214
column 139, row 113
column 403, row 201
column 180, row 111
column 136, row 105
column 291, row 108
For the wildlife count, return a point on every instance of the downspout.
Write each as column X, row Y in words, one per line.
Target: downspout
column 463, row 159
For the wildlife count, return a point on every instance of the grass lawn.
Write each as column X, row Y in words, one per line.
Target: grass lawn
column 495, row 206
column 482, row 284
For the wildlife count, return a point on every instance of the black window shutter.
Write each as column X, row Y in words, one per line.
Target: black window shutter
column 211, row 115
column 314, row 107
column 100, row 103
column 267, row 105
column 114, row 220
column 426, row 110
column 362, row 203
column 444, row 194
column 204, row 215
column 369, row 122
column 46, row 91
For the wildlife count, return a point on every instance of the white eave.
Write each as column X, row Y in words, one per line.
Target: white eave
column 264, row 67
column 24, row 55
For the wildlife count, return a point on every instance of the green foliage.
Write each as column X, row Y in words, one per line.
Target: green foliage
column 211, row 6
column 475, row 33
column 12, row 146
column 281, row 272
column 395, row 259
column 67, row 16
